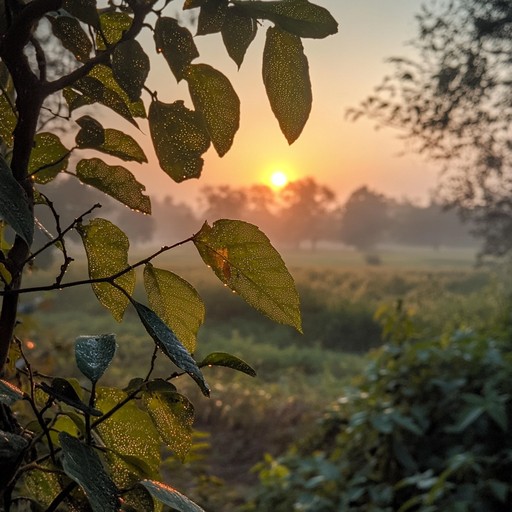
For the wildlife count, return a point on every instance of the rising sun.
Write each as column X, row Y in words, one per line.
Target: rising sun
column 278, row 179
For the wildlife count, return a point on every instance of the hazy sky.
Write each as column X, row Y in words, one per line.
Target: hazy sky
column 341, row 154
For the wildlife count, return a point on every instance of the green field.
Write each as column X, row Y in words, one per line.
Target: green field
column 298, row 375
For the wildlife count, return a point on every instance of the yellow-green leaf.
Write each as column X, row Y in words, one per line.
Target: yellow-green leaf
column 238, row 32
column 286, row 79
column 113, row 25
column 176, row 302
column 7, row 119
column 243, row 258
column 298, row 17
column 130, row 67
column 91, row 134
column 179, row 137
column 173, row 416
column 176, row 45
column 48, row 157
column 214, row 96
column 107, row 247
column 116, row 181
column 72, row 36
column 211, row 16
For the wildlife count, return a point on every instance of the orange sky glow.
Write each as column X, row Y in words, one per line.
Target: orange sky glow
column 338, row 153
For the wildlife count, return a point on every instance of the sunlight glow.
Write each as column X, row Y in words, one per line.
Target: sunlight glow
column 278, row 179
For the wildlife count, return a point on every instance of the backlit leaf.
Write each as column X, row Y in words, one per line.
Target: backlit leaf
column 116, row 181
column 113, row 25
column 214, row 96
column 169, row 344
column 84, row 10
column 72, row 36
column 42, row 485
column 298, row 17
column 243, row 258
column 94, row 354
column 211, row 16
column 9, row 393
column 7, row 119
column 91, row 134
column 82, row 464
column 176, row 45
column 14, row 207
column 238, row 32
column 107, row 254
column 286, row 79
column 227, row 360
column 170, row 497
column 48, row 157
column 173, row 416
column 179, row 137
column 130, row 66
column 176, row 302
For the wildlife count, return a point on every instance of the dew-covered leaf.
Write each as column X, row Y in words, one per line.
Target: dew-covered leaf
column 116, row 181
column 14, row 207
column 72, row 36
column 82, row 464
column 9, row 393
column 214, row 97
column 169, row 344
column 228, row 361
column 62, row 391
column 5, row 275
column 170, row 497
column 84, row 10
column 12, row 447
column 298, row 17
column 7, row 119
column 179, row 137
column 91, row 133
column 48, row 157
column 176, row 45
column 243, row 258
column 94, row 354
column 211, row 16
column 130, row 67
column 286, row 79
column 43, row 486
column 173, row 416
column 113, row 26
column 238, row 32
column 176, row 302
column 107, row 247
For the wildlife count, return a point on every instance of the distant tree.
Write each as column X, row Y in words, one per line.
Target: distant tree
column 223, row 201
column 261, row 208
column 452, row 103
column 364, row 219
column 306, row 212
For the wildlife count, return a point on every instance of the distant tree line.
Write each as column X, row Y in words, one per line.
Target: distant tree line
column 303, row 214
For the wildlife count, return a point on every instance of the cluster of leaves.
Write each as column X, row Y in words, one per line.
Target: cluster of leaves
column 85, row 446
column 428, row 429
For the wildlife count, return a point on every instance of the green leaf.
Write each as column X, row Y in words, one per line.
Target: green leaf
column 12, row 447
column 238, row 32
column 298, row 17
column 286, row 79
column 243, row 258
column 214, row 97
column 170, row 497
column 48, row 157
column 130, row 67
column 9, row 393
column 173, row 416
column 72, row 36
column 176, row 45
column 64, row 392
column 8, row 119
column 113, row 26
column 227, row 360
column 91, row 134
column 14, row 207
column 169, row 344
column 116, row 181
column 107, row 247
column 179, row 137
column 94, row 354
column 211, row 16
column 466, row 419
column 176, row 302
column 82, row 464
column 84, row 10
column 42, row 485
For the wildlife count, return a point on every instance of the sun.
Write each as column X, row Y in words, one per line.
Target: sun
column 278, row 179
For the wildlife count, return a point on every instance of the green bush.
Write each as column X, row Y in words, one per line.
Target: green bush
column 428, row 429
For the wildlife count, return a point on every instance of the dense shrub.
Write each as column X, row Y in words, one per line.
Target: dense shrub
column 428, row 429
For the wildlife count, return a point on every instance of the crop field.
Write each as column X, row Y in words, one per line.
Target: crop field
column 344, row 305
